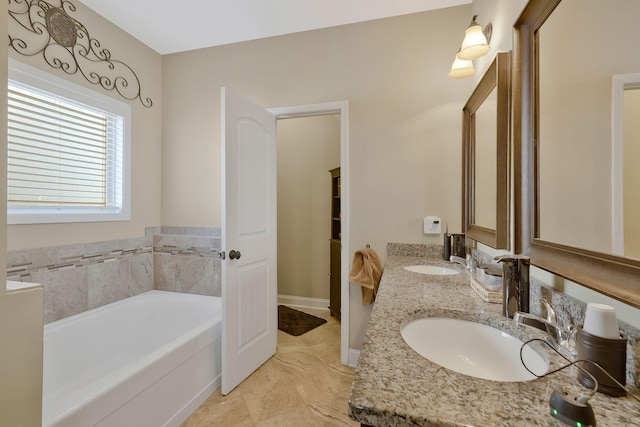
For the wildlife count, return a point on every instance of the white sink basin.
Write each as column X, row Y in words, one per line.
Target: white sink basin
column 431, row 269
column 472, row 349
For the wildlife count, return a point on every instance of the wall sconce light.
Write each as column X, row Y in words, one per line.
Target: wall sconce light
column 461, row 68
column 475, row 44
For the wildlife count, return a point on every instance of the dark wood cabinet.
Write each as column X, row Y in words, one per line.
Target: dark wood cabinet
column 335, row 245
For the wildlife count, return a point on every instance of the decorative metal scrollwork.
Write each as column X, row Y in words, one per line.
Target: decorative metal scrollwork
column 66, row 44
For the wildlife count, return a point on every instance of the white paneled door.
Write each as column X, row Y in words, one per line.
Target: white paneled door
column 249, row 220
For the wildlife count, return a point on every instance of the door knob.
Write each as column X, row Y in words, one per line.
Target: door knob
column 234, row 254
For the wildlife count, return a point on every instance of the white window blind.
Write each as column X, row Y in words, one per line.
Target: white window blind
column 66, row 155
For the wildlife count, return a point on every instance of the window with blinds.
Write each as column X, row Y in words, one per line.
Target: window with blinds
column 65, row 157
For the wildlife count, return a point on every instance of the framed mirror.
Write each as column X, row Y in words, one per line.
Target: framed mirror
column 573, row 191
column 486, row 130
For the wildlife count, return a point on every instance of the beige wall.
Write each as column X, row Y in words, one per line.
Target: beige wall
column 501, row 14
column 21, row 313
column 307, row 149
column 145, row 142
column 3, row 154
column 405, row 121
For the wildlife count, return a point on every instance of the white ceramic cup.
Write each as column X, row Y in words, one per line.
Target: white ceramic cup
column 600, row 320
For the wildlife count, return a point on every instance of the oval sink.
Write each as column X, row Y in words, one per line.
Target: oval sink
column 432, row 270
column 473, row 349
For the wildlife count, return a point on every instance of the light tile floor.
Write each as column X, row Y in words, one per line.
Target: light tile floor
column 304, row 384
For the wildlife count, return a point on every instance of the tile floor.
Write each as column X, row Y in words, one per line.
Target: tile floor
column 304, row 384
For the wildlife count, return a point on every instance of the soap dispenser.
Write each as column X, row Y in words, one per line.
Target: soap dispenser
column 515, row 284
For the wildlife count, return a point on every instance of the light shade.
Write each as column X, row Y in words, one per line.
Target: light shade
column 461, row 68
column 475, row 43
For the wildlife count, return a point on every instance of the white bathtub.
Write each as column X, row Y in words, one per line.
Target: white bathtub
column 149, row 360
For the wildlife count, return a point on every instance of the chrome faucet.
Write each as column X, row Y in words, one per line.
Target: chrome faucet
column 459, row 260
column 515, row 284
column 469, row 263
column 562, row 337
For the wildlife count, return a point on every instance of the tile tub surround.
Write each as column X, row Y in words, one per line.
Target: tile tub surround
column 77, row 278
column 394, row 386
column 187, row 260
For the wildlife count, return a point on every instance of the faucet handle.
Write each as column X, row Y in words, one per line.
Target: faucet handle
column 549, row 311
column 566, row 336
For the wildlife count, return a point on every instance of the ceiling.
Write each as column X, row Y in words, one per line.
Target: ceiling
column 170, row 26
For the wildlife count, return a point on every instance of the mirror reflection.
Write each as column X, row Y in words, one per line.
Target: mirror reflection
column 485, row 167
column 631, row 172
column 486, row 132
column 577, row 168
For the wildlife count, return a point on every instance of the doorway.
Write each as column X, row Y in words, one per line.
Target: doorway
column 308, row 147
column 340, row 111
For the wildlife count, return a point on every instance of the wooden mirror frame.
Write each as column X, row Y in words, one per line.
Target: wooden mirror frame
column 612, row 275
column 498, row 76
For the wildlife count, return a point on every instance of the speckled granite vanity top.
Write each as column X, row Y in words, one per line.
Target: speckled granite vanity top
column 394, row 386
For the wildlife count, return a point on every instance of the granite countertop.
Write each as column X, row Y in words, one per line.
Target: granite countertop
column 395, row 386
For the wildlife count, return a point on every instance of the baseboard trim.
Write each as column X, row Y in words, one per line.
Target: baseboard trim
column 354, row 355
column 304, row 302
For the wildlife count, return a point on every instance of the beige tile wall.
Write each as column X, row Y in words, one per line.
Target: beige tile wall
column 187, row 260
column 77, row 278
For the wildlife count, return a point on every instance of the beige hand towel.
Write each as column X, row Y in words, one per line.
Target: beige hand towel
column 366, row 271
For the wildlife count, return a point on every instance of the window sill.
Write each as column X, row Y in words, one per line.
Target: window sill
column 17, row 216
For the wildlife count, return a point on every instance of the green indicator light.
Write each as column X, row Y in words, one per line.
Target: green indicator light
column 578, row 424
column 555, row 412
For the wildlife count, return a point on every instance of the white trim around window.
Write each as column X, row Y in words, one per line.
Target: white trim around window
column 116, row 205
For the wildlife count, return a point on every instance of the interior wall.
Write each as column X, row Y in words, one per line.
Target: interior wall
column 3, row 151
column 501, row 14
column 405, row 121
column 308, row 147
column 21, row 312
column 145, row 141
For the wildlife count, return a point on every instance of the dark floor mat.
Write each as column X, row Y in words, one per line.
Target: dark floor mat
column 296, row 322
